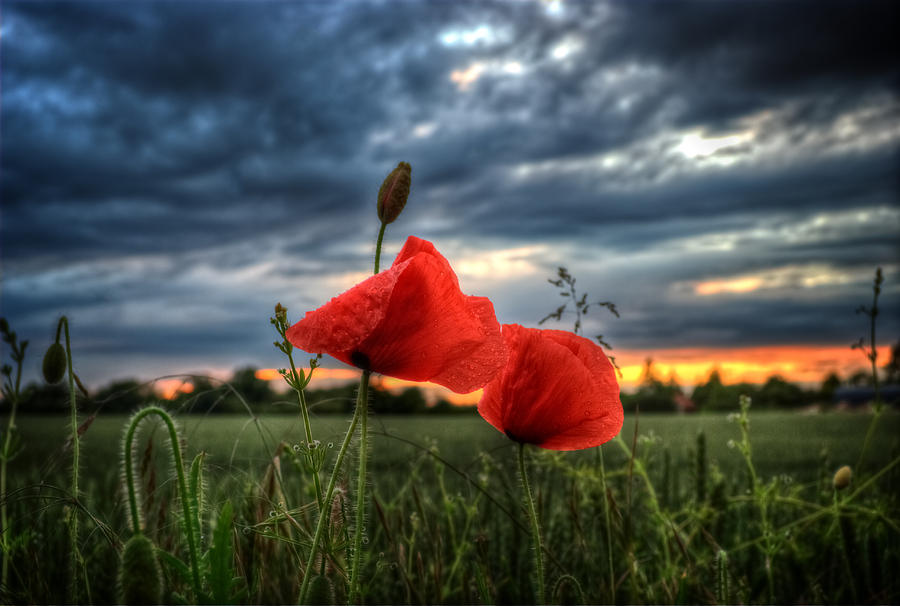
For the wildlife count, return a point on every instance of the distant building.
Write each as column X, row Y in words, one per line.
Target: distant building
column 860, row 396
column 684, row 404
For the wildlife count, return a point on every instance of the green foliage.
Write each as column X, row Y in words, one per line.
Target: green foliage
column 140, row 579
column 446, row 523
column 225, row 586
column 321, row 590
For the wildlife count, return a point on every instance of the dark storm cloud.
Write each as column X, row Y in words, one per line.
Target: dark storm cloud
column 160, row 158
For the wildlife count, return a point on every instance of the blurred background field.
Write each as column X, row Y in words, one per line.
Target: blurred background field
column 783, row 442
column 446, row 526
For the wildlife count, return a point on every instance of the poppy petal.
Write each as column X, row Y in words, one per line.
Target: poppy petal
column 433, row 332
column 338, row 326
column 558, row 391
column 410, row 322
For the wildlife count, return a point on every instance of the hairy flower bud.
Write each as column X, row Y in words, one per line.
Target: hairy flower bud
column 842, row 478
column 54, row 366
column 321, row 591
column 393, row 193
column 140, row 580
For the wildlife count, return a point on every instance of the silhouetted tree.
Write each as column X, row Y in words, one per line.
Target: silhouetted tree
column 829, row 384
column 892, row 367
column 252, row 389
column 653, row 395
column 124, row 395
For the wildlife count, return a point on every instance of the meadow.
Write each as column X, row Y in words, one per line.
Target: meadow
column 703, row 508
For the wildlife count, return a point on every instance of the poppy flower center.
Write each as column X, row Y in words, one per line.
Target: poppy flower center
column 360, row 360
column 513, row 436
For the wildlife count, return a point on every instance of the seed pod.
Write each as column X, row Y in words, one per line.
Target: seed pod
column 321, row 591
column 140, row 580
column 393, row 193
column 842, row 478
column 54, row 366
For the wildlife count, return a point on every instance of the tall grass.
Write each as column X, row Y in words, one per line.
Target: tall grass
column 687, row 521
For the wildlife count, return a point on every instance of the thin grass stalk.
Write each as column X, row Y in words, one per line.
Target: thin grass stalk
column 304, row 411
column 872, row 355
column 535, row 527
column 4, row 460
column 843, row 530
column 607, row 529
column 329, row 493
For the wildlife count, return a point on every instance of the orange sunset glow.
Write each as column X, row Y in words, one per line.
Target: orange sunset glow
column 169, row 388
column 689, row 366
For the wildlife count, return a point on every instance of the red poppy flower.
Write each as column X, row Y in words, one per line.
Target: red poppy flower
column 410, row 322
column 557, row 391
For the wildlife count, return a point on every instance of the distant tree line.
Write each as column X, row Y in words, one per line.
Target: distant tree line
column 243, row 391
column 656, row 395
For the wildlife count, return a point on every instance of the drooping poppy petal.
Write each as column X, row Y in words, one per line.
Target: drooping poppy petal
column 410, row 322
column 557, row 391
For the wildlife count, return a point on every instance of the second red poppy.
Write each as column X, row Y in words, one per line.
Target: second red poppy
column 557, row 391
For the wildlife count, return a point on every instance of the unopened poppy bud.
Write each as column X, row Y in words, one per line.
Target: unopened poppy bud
column 321, row 591
column 842, row 478
column 394, row 192
column 54, row 366
column 140, row 580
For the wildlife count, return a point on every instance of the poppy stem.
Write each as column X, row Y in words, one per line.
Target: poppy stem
column 535, row 527
column 74, row 553
column 362, row 409
column 378, row 247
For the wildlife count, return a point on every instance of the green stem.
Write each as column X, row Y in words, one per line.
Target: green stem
column 535, row 527
column 362, row 403
column 362, row 409
column 362, row 399
column 329, row 494
column 128, row 455
column 872, row 354
column 378, row 247
column 304, row 411
column 4, row 459
column 74, row 555
column 182, row 484
column 873, row 351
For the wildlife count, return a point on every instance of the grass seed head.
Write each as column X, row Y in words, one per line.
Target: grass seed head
column 842, row 478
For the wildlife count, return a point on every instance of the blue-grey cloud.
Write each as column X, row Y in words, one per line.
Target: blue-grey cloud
column 170, row 170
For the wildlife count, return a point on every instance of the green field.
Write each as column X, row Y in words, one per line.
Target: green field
column 447, row 524
column 783, row 442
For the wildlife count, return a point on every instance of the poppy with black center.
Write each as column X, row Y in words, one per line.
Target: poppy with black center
column 410, row 322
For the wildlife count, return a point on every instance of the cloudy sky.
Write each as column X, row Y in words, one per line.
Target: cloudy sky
column 725, row 172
